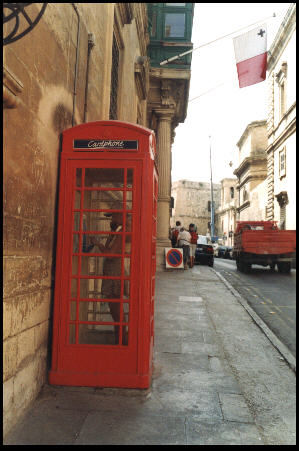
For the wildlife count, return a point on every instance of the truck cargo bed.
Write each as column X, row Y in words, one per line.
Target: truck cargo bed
column 267, row 242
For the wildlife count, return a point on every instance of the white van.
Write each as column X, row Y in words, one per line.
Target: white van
column 202, row 239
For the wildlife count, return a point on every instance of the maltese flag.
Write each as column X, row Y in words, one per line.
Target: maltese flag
column 251, row 56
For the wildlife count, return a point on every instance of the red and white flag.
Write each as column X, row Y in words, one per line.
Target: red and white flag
column 251, row 56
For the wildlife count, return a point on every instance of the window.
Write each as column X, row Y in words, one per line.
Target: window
column 174, row 25
column 282, row 107
column 232, row 192
column 282, row 162
column 114, row 80
column 281, row 77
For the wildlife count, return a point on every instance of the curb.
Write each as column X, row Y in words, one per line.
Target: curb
column 282, row 349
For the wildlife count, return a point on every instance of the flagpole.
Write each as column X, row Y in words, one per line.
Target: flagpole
column 211, row 42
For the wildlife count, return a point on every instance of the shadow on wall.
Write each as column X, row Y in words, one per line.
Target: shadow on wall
column 62, row 118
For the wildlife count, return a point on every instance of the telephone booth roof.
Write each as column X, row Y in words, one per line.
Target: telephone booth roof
column 109, row 136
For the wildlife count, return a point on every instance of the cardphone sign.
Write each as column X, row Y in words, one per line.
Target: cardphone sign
column 104, row 144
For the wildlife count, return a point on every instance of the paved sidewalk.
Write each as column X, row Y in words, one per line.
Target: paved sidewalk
column 217, row 380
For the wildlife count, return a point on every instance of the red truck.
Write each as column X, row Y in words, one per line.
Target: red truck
column 263, row 243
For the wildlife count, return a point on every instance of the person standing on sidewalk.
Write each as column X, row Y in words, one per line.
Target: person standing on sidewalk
column 193, row 244
column 174, row 234
column 184, row 240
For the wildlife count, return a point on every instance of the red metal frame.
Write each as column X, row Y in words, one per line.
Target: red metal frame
column 124, row 364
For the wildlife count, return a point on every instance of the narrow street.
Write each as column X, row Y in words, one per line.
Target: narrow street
column 271, row 295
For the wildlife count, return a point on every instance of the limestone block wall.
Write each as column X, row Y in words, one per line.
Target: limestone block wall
column 227, row 196
column 191, row 203
column 281, row 122
column 253, row 141
column 287, row 183
column 43, row 64
column 256, row 211
column 226, row 215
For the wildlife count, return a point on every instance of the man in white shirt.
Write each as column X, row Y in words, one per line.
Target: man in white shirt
column 184, row 240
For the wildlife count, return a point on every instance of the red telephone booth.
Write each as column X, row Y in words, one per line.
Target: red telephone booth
column 103, row 329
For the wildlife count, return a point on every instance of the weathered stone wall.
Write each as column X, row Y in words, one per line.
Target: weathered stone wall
column 252, row 172
column 43, row 64
column 282, row 125
column 226, row 215
column 256, row 210
column 191, row 203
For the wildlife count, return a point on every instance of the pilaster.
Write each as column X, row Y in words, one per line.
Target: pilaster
column 164, row 191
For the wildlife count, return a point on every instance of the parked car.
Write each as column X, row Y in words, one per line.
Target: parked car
column 204, row 253
column 225, row 252
column 228, row 253
column 220, row 251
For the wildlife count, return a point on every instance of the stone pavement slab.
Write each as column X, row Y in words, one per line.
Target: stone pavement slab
column 221, row 433
column 197, row 395
column 131, row 429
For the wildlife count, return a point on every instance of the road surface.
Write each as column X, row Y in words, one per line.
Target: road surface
column 271, row 295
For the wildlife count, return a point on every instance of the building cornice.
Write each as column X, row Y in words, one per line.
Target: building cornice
column 169, row 88
column 243, row 206
column 249, row 161
column 177, row 74
column 250, row 178
column 225, row 210
column 282, row 37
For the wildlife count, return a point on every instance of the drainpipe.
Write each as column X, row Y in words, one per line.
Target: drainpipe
column 90, row 46
column 76, row 65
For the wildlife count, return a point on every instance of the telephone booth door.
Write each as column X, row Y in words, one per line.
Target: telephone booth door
column 105, row 262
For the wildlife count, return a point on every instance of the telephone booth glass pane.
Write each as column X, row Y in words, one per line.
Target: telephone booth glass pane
column 129, row 178
column 111, row 200
column 103, row 177
column 79, row 177
column 101, row 264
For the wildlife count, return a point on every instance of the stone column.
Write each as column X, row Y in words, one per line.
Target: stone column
column 164, row 191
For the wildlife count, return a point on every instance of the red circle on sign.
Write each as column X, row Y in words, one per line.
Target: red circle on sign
column 174, row 258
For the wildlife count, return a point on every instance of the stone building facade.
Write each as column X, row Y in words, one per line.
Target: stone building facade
column 227, row 212
column 252, row 172
column 192, row 204
column 168, row 97
column 281, row 124
column 82, row 62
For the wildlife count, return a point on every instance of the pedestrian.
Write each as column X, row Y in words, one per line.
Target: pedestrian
column 174, row 234
column 111, row 288
column 193, row 244
column 184, row 240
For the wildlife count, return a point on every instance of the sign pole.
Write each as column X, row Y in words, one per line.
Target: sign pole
column 212, row 202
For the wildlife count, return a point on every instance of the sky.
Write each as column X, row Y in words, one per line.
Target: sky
column 225, row 111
